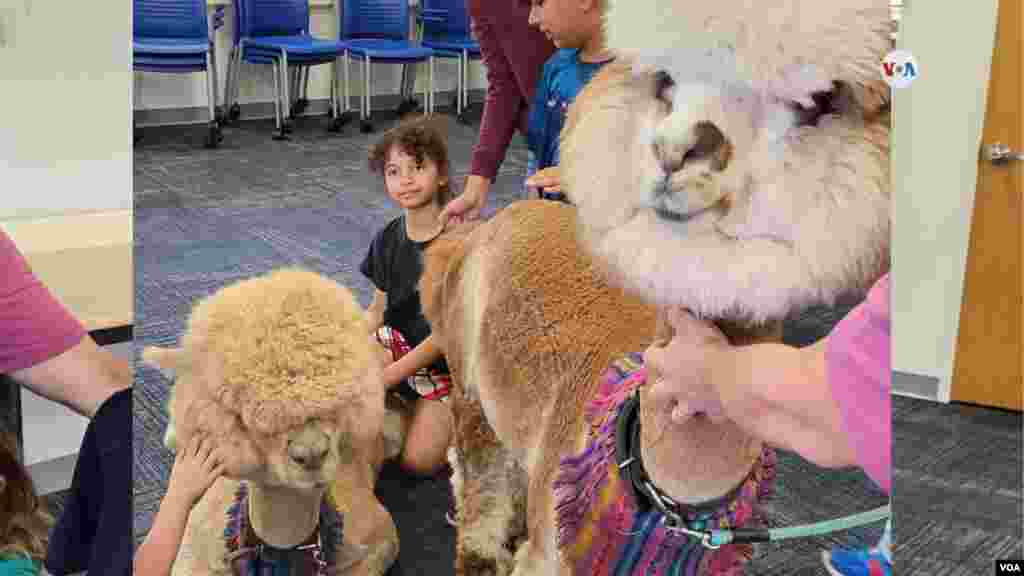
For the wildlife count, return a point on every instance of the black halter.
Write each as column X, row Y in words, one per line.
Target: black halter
column 647, row 495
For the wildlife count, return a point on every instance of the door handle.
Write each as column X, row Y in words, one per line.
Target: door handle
column 1001, row 154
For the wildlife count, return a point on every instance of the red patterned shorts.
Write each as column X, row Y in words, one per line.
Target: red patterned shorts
column 427, row 383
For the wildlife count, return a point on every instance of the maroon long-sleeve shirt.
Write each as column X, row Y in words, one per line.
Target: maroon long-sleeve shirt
column 514, row 54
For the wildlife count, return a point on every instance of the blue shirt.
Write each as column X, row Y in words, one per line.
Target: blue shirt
column 19, row 566
column 563, row 78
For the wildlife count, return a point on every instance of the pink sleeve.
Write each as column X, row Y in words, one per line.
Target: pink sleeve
column 860, row 374
column 34, row 326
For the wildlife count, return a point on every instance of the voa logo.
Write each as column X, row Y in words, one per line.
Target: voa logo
column 899, row 69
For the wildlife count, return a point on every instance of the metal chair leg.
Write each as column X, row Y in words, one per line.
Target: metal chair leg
column 213, row 136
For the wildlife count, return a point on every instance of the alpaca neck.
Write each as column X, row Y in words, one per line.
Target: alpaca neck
column 697, row 461
column 700, row 460
column 284, row 517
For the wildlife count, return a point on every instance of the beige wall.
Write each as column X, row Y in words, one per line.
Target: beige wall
column 938, row 122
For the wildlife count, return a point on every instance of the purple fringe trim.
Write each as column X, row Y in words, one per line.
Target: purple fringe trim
column 588, row 494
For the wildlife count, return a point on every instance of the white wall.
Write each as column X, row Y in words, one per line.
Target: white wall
column 66, row 173
column 65, row 125
column 158, row 91
column 938, row 122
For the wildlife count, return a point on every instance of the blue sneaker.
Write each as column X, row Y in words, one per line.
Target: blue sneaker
column 846, row 562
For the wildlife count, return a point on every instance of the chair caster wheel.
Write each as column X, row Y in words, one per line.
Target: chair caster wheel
column 336, row 125
column 464, row 118
column 214, row 136
column 288, row 127
column 365, row 126
column 299, row 107
column 234, row 113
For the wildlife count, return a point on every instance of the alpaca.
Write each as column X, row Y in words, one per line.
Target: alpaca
column 733, row 160
column 280, row 368
column 530, row 324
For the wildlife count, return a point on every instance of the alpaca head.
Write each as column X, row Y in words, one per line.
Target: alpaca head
column 735, row 158
column 279, row 369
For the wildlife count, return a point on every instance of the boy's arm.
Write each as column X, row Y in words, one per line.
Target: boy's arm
column 419, row 357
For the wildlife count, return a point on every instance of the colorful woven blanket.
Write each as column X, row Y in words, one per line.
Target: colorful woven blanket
column 601, row 529
column 250, row 557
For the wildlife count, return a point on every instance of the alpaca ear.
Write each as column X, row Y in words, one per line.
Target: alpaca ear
column 166, row 360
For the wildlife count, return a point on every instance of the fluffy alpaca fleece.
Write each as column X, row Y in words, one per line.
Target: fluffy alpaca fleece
column 280, row 369
column 529, row 322
column 700, row 179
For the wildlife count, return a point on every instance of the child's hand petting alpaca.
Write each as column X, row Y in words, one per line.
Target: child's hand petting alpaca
column 195, row 469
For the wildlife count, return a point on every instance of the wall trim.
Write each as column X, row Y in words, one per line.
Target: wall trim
column 915, row 386
column 317, row 107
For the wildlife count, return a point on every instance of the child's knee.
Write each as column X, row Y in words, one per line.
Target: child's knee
column 426, row 446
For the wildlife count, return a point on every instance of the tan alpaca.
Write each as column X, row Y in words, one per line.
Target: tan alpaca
column 280, row 369
column 529, row 322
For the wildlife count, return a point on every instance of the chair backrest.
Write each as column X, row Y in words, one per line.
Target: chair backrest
column 272, row 17
column 456, row 19
column 375, row 19
column 170, row 19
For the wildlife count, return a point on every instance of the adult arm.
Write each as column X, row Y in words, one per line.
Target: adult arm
column 45, row 348
column 82, row 378
column 505, row 97
column 777, row 393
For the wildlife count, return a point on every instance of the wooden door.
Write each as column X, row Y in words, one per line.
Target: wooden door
column 989, row 365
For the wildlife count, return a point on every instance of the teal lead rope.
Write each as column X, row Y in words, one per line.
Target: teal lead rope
column 716, row 538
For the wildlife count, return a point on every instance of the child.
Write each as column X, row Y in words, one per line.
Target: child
column 196, row 467
column 413, row 158
column 24, row 521
column 575, row 27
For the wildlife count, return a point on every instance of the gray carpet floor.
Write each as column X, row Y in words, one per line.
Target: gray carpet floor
column 204, row 219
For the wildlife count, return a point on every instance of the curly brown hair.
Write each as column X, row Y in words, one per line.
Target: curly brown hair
column 421, row 137
column 24, row 521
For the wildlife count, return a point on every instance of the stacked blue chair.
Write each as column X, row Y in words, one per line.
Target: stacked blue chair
column 277, row 33
column 444, row 27
column 377, row 31
column 173, row 36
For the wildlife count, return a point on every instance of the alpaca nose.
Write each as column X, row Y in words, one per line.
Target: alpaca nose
column 309, row 450
column 705, row 142
column 309, row 457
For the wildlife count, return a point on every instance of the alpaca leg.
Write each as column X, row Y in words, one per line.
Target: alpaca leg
column 371, row 538
column 490, row 498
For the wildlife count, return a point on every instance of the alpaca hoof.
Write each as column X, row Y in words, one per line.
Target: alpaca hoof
column 473, row 564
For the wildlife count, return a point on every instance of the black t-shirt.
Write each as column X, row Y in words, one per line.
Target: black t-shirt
column 394, row 264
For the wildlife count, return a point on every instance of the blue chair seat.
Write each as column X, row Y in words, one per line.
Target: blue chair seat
column 170, row 46
column 297, row 45
column 386, row 50
column 470, row 46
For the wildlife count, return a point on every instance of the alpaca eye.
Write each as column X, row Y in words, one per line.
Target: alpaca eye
column 663, row 84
